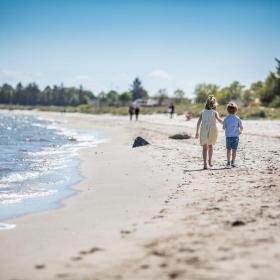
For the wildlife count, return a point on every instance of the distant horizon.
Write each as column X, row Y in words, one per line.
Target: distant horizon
column 105, row 45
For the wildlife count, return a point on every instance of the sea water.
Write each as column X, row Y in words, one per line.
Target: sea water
column 38, row 163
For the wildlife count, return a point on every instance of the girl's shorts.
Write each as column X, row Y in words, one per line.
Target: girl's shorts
column 232, row 143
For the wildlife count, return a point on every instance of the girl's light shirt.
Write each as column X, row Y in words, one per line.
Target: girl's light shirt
column 232, row 123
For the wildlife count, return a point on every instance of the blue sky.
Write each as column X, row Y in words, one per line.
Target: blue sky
column 168, row 44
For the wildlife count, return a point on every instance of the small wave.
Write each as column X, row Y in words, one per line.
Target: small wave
column 19, row 177
column 6, row 226
column 8, row 198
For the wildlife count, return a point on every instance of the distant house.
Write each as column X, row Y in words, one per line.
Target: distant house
column 146, row 102
column 152, row 102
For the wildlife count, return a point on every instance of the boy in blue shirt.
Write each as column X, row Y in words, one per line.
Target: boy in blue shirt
column 233, row 128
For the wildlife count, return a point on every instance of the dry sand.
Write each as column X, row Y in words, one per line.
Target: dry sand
column 152, row 213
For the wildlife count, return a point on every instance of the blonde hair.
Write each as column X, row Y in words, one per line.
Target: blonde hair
column 211, row 103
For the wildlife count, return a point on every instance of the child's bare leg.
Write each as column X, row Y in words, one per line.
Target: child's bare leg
column 228, row 155
column 233, row 155
column 204, row 154
column 210, row 153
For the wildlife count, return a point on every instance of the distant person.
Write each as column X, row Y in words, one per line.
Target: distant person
column 131, row 112
column 137, row 112
column 188, row 116
column 208, row 131
column 233, row 128
column 171, row 109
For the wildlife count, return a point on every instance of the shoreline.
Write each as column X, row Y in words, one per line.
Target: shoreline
column 151, row 213
column 122, row 221
column 58, row 190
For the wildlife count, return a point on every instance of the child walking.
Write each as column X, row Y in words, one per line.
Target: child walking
column 208, row 132
column 233, row 128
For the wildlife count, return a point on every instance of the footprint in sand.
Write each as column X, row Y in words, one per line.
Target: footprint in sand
column 62, row 275
column 83, row 252
column 158, row 253
column 144, row 266
column 76, row 258
column 158, row 217
column 94, row 250
column 187, row 250
column 213, row 209
column 175, row 274
column 40, row 266
column 91, row 251
column 125, row 231
column 192, row 260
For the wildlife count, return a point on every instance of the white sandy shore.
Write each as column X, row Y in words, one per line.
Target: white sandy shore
column 151, row 213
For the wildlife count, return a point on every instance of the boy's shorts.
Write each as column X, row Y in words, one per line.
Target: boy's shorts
column 232, row 143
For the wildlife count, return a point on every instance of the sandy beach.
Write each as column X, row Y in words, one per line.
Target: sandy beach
column 152, row 212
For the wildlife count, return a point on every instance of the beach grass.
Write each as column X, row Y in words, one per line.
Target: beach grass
column 250, row 112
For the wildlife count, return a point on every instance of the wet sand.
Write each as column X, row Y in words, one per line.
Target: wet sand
column 153, row 213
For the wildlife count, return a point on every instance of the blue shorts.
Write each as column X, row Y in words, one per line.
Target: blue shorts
column 232, row 143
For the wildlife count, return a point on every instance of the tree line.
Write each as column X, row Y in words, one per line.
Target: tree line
column 32, row 95
column 72, row 96
column 266, row 93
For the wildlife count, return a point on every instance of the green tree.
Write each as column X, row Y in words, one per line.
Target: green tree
column 138, row 92
column 179, row 95
column 233, row 92
column 6, row 94
column 162, row 96
column 112, row 97
column 101, row 97
column 47, row 96
column 125, row 97
column 250, row 95
column 202, row 91
column 32, row 95
column 268, row 91
column 18, row 94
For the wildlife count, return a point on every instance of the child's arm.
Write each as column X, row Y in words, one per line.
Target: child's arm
column 224, row 123
column 218, row 118
column 198, row 126
column 240, row 127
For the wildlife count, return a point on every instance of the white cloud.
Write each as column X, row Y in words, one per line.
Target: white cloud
column 159, row 74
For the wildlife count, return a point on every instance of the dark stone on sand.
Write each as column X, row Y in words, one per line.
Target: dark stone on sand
column 237, row 223
column 139, row 141
column 180, row 136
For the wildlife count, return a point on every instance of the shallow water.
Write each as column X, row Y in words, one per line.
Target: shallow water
column 38, row 163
